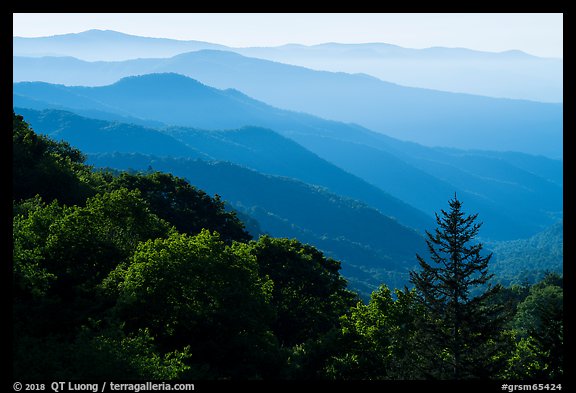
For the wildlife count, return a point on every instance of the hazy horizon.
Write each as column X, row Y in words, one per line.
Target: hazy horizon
column 536, row 34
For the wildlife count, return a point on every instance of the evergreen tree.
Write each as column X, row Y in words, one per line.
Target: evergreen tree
column 462, row 327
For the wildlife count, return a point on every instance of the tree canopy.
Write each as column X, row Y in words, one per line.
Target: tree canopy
column 143, row 276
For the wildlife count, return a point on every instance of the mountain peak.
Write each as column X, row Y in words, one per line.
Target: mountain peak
column 101, row 31
column 170, row 79
column 515, row 53
column 92, row 33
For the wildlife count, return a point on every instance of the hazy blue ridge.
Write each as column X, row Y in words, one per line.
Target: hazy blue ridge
column 510, row 74
column 516, row 197
column 427, row 116
column 257, row 148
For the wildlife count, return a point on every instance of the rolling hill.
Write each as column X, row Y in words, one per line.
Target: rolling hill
column 508, row 74
column 429, row 117
column 516, row 198
column 256, row 148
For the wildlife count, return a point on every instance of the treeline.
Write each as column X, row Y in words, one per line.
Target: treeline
column 142, row 276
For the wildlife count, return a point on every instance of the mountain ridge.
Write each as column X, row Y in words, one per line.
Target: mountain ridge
column 267, row 152
column 98, row 33
column 426, row 116
column 506, row 74
column 499, row 203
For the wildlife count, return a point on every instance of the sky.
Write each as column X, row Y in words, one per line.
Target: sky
column 535, row 33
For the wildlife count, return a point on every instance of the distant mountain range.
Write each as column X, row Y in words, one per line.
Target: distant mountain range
column 516, row 198
column 350, row 163
column 510, row 74
column 429, row 117
column 105, row 45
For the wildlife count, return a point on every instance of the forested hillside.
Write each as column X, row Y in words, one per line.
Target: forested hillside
column 142, row 275
column 372, row 247
column 527, row 260
column 523, row 183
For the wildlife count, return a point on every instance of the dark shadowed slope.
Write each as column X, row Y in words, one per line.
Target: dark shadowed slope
column 97, row 136
column 256, row 148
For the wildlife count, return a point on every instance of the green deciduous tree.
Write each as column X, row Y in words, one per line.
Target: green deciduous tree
column 308, row 297
column 88, row 242
column 30, row 229
column 62, row 253
column 190, row 210
column 55, row 170
column 97, row 354
column 197, row 291
column 380, row 340
column 309, row 294
column 540, row 325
